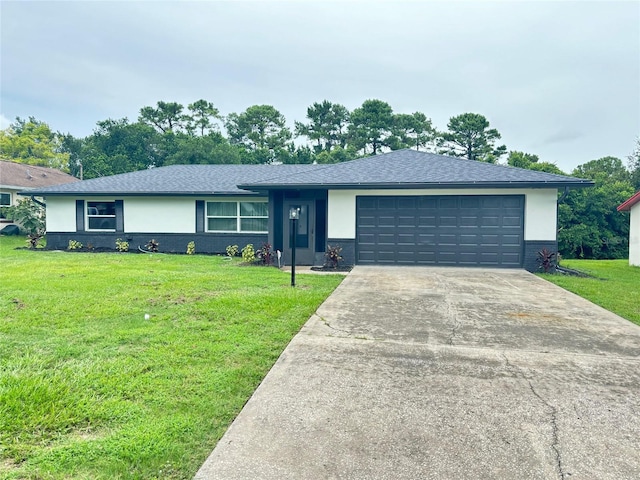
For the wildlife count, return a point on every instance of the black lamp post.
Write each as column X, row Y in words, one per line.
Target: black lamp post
column 294, row 214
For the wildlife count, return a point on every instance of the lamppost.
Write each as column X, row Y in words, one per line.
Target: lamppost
column 294, row 214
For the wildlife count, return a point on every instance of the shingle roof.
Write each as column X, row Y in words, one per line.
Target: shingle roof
column 177, row 180
column 411, row 169
column 21, row 175
column 398, row 169
column 630, row 202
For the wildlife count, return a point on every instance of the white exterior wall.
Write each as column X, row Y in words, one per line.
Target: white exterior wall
column 61, row 214
column 159, row 214
column 634, row 235
column 540, row 213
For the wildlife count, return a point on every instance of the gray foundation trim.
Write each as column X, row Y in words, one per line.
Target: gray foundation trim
column 169, row 242
column 531, row 249
column 348, row 249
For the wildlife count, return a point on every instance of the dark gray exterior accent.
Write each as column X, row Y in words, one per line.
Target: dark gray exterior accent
column 348, row 249
column 455, row 230
column 531, row 249
column 80, row 215
column 169, row 242
column 200, row 216
column 119, row 216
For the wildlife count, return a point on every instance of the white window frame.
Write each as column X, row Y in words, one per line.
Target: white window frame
column 87, row 216
column 238, row 217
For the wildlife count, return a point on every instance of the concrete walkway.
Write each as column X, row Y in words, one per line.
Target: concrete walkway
column 434, row 373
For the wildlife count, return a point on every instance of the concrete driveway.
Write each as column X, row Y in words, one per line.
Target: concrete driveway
column 445, row 373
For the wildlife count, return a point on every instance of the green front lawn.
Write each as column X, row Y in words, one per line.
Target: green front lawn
column 615, row 286
column 90, row 389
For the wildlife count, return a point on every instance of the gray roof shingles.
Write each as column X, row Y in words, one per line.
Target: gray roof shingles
column 409, row 168
column 177, row 180
column 397, row 169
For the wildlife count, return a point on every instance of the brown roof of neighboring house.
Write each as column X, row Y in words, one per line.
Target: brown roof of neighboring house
column 14, row 174
column 626, row 206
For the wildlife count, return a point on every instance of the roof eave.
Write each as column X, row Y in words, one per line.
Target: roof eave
column 406, row 186
column 136, row 194
column 626, row 206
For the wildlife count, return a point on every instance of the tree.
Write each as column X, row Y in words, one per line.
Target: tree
column 212, row 148
column 412, row 130
column 634, row 165
column 521, row 159
column 469, row 136
column 372, row 126
column 327, row 125
column 261, row 129
column 32, row 142
column 203, row 115
column 166, row 117
column 590, row 226
column 117, row 146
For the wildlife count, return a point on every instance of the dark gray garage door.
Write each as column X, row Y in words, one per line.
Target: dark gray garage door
column 465, row 230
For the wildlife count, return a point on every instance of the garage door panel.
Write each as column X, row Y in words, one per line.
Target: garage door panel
column 441, row 230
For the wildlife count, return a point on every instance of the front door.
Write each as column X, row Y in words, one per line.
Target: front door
column 305, row 238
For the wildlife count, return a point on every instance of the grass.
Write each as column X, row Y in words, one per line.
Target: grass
column 615, row 285
column 89, row 389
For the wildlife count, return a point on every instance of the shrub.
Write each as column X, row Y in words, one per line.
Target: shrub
column 265, row 254
column 232, row 250
column 333, row 256
column 248, row 254
column 191, row 248
column 33, row 240
column 546, row 260
column 74, row 245
column 28, row 214
column 121, row 245
column 152, row 245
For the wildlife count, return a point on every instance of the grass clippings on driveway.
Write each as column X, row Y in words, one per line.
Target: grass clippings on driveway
column 614, row 285
column 90, row 389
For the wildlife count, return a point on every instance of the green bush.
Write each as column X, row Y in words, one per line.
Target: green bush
column 121, row 245
column 248, row 254
column 232, row 250
column 74, row 245
column 28, row 214
column 191, row 248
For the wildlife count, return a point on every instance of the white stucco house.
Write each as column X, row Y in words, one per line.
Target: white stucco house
column 632, row 205
column 400, row 208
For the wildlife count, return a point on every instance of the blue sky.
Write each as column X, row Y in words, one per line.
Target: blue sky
column 558, row 79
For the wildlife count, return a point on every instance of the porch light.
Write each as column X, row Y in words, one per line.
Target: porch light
column 294, row 213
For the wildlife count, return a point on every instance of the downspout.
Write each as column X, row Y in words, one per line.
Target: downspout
column 563, row 196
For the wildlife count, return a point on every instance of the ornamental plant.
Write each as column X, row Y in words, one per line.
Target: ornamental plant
column 191, row 248
column 265, row 254
column 248, row 254
column 122, row 245
column 333, row 256
column 152, row 245
column 232, row 250
column 74, row 245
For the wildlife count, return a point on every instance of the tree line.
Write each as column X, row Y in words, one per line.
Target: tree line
column 171, row 133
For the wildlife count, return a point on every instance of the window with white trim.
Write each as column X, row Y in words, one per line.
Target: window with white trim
column 101, row 216
column 237, row 217
column 5, row 201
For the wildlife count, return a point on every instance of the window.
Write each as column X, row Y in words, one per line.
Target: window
column 237, row 216
column 5, row 201
column 101, row 216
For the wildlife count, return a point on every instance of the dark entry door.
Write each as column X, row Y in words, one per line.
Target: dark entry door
column 305, row 234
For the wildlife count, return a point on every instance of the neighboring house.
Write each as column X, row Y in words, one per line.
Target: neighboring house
column 632, row 206
column 19, row 177
column 403, row 208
